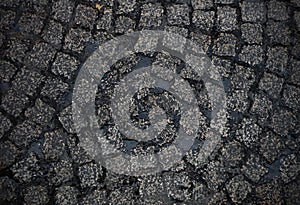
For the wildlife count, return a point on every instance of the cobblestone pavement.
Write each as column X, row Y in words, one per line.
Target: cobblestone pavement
column 256, row 45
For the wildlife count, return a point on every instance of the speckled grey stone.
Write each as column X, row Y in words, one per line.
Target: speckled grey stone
column 282, row 31
column 7, row 71
column 27, row 81
column 238, row 188
column 40, row 56
column 66, row 195
column 85, row 16
column 151, row 15
column 203, row 19
column 253, row 11
column 64, row 65
column 252, row 54
column 53, row 33
column 41, row 113
column 54, row 145
column 254, row 168
column 9, row 152
column 62, row 10
column 277, row 10
column 30, row 23
column 252, row 33
column 124, row 25
column 36, row 195
column 225, row 45
column 277, row 59
column 89, row 175
column 5, row 125
column 77, row 39
column 178, row 14
column 202, row 4
column 227, row 18
column 271, row 84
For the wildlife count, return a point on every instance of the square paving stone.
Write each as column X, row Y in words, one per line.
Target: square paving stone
column 89, row 175
column 16, row 49
column 252, row 33
column 77, row 39
column 5, row 124
column 105, row 21
column 238, row 188
column 66, row 195
column 125, row 6
column 242, row 78
column 25, row 133
column 277, row 10
column 27, row 169
column 27, row 81
column 151, row 15
column 202, row 4
column 124, row 25
column 40, row 56
column 54, row 88
column 8, row 154
column 279, row 32
column 227, row 18
column 254, row 168
column 64, row 65
column 7, row 18
column 14, row 102
column 270, row 146
column 54, row 145
column 262, row 106
column 36, row 195
column 249, row 132
column 203, row 19
column 277, row 59
column 7, row 70
column 41, row 113
column 271, row 84
column 53, row 33
column 62, row 10
column 178, row 14
column 61, row 172
column 283, row 122
column 225, row 45
column 30, row 23
column 252, row 54
column 253, row 11
column 85, row 16
column 291, row 96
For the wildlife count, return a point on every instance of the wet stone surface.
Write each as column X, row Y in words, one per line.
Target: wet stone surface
column 254, row 45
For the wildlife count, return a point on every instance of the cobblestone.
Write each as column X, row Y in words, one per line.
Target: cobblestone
column 151, row 16
column 66, row 195
column 253, row 11
column 53, row 34
column 36, row 195
column 252, row 55
column 178, row 14
column 277, row 10
column 252, row 44
column 64, row 65
column 62, row 10
column 227, row 18
column 85, row 16
column 225, row 45
column 203, row 19
column 238, row 188
column 252, row 33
